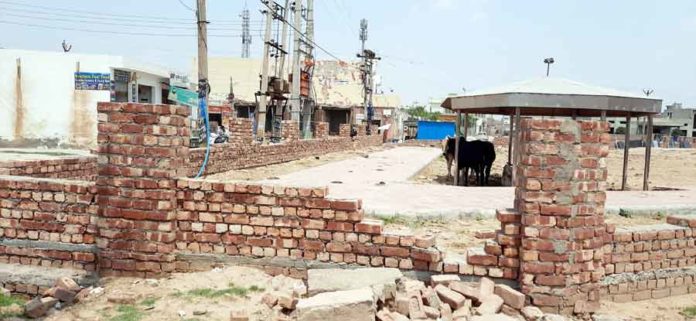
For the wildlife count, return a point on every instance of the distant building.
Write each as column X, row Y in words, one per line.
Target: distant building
column 676, row 120
column 50, row 98
column 337, row 88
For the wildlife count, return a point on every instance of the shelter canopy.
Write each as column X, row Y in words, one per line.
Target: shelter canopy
column 554, row 97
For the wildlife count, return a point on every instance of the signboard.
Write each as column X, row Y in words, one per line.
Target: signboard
column 184, row 97
column 121, row 76
column 92, row 81
column 176, row 80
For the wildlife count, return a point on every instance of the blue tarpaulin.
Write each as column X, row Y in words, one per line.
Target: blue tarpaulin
column 434, row 130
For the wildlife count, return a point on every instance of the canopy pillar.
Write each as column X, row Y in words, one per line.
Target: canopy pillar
column 457, row 131
column 627, row 143
column 516, row 148
column 648, row 151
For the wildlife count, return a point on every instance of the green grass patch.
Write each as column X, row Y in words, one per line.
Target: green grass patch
column 210, row 293
column 6, row 300
column 127, row 313
column 689, row 312
column 148, row 302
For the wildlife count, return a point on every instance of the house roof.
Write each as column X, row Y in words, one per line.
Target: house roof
column 553, row 97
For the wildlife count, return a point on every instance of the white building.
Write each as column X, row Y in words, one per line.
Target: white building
column 42, row 104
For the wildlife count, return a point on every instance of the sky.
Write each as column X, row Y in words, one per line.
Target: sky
column 429, row 48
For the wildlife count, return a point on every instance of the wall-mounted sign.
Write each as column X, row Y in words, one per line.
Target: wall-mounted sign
column 121, row 76
column 92, row 81
column 176, row 80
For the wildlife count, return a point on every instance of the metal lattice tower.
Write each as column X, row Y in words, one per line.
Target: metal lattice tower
column 246, row 34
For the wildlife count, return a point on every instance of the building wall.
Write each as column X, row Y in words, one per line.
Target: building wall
column 44, row 109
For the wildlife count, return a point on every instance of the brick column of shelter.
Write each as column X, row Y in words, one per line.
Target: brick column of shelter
column 241, row 131
column 560, row 196
column 141, row 147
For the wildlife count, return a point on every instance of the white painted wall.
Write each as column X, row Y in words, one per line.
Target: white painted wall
column 52, row 109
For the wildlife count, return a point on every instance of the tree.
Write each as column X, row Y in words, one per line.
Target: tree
column 420, row 113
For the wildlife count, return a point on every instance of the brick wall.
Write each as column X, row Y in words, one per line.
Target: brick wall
column 241, row 131
column 290, row 130
column 301, row 223
column 48, row 222
column 344, row 130
column 78, row 168
column 320, row 130
column 141, row 148
column 227, row 157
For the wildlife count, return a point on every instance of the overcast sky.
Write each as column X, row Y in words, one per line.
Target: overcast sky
column 430, row 47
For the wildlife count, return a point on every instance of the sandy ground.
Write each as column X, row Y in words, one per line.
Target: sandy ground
column 671, row 168
column 273, row 171
column 665, row 309
column 172, row 299
column 456, row 235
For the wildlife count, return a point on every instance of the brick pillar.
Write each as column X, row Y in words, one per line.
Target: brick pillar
column 241, row 131
column 560, row 196
column 321, row 129
column 344, row 130
column 141, row 147
column 290, row 130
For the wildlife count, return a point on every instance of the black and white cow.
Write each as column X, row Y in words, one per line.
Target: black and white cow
column 476, row 155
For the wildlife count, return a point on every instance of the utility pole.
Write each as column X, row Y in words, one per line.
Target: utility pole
column 283, row 42
column 261, row 112
column 246, row 33
column 295, row 93
column 203, row 86
column 548, row 62
column 368, row 58
column 309, row 104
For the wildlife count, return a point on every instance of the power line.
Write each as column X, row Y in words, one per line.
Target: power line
column 309, row 40
column 186, row 6
column 53, row 11
column 181, row 27
column 111, row 31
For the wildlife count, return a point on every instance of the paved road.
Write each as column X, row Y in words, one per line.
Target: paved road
column 381, row 181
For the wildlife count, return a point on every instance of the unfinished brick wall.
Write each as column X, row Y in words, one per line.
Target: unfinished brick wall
column 320, row 130
column 300, row 223
column 241, row 132
column 560, row 196
column 47, row 222
column 141, row 147
column 73, row 167
column 344, row 130
column 225, row 157
column 290, row 130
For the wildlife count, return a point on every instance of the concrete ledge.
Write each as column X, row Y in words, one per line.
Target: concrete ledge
column 209, row 260
column 42, row 277
column 648, row 275
column 47, row 245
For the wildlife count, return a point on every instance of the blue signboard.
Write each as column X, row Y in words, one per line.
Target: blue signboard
column 92, row 81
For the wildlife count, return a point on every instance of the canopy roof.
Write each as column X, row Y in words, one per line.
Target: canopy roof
column 553, row 97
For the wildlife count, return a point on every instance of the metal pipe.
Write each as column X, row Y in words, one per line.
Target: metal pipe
column 516, row 149
column 512, row 117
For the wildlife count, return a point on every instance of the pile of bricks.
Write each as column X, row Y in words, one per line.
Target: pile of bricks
column 34, row 211
column 290, row 130
column 77, row 168
column 560, row 196
column 142, row 148
column 448, row 298
column 300, row 223
column 320, row 130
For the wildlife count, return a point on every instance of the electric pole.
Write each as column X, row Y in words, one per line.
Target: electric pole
column 246, row 34
column 368, row 58
column 309, row 104
column 548, row 62
column 203, row 86
column 283, row 41
column 295, row 93
column 261, row 112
